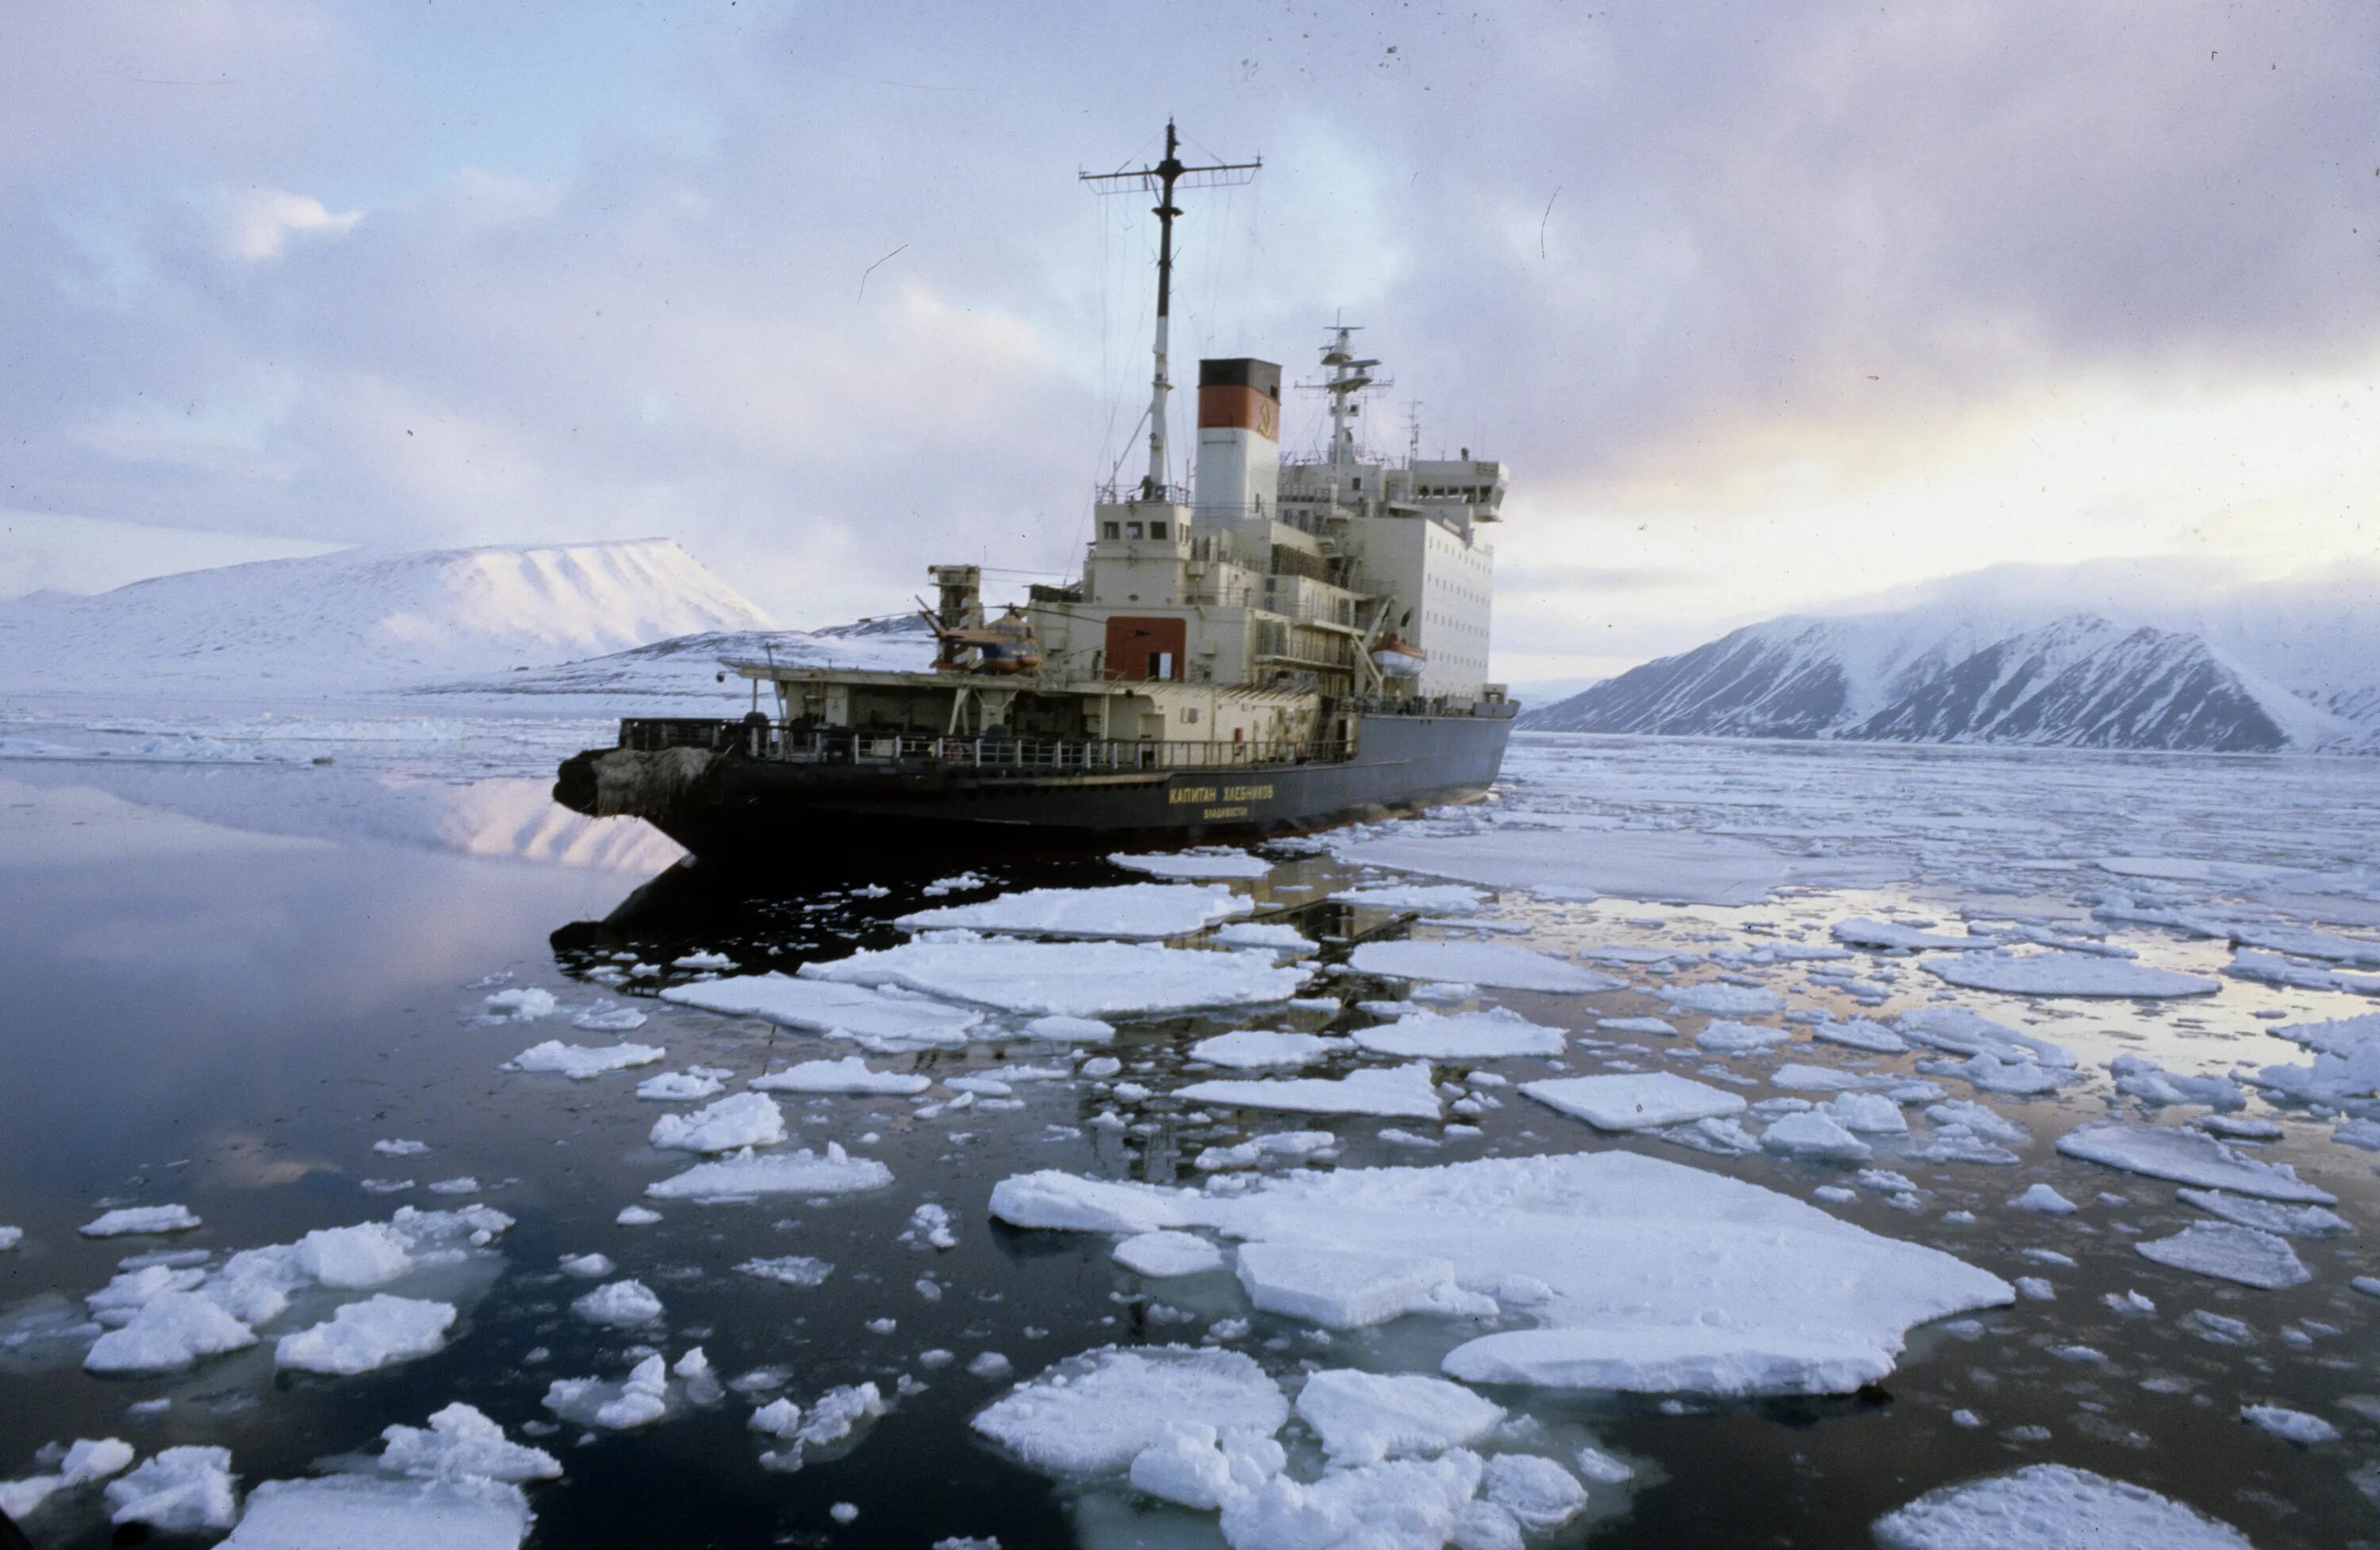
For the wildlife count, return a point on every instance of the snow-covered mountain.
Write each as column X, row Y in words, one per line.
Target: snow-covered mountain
column 363, row 619
column 688, row 665
column 2095, row 656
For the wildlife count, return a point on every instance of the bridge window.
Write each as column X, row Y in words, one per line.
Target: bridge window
column 1114, row 530
column 1157, row 529
column 1132, row 529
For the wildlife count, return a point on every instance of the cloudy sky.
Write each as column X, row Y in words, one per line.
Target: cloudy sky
column 1766, row 305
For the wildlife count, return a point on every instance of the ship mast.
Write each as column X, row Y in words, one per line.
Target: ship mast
column 1160, row 180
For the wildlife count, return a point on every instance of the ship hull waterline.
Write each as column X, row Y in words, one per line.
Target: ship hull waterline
column 745, row 811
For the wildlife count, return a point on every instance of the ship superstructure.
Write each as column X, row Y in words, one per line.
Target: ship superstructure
column 1287, row 642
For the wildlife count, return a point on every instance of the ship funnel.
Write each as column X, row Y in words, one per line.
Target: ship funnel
column 1239, row 440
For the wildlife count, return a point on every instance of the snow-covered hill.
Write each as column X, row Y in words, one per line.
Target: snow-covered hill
column 363, row 619
column 688, row 665
column 2092, row 656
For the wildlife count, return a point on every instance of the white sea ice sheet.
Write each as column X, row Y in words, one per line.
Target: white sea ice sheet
column 621, row 1304
column 582, row 1062
column 2189, row 1156
column 1166, row 1253
column 346, row 1509
column 1133, row 912
column 2051, row 1506
column 1196, row 866
column 2064, row 973
column 2297, row 1427
column 1351, row 1289
column 1363, row 1418
column 744, row 1120
column 179, row 1490
column 1962, row 1031
column 1628, row 863
column 2231, row 1252
column 1092, row 1415
column 167, row 1333
column 1496, row 1034
column 1500, row 965
column 1724, row 1036
column 1720, row 999
column 1406, row 1503
column 140, row 1221
column 1438, row 898
column 1069, row 979
column 1633, row 1101
column 849, row 1075
column 362, row 1336
column 748, row 1175
column 1645, row 1274
column 461, row 1442
column 1257, row 1049
column 677, row 1087
column 2290, row 1221
column 1399, row 1093
column 1859, row 1033
column 1889, row 936
column 879, row 1019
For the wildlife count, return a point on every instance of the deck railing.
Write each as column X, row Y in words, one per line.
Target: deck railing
column 913, row 753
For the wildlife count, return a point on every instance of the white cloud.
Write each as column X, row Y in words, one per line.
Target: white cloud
column 257, row 223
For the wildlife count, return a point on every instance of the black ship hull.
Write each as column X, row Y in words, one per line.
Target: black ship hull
column 731, row 808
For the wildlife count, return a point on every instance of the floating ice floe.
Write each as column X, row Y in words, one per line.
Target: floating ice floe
column 2290, row 1221
column 624, row 1304
column 465, row 1444
column 2272, row 969
column 519, row 1006
column 592, row 1267
column 1092, row 1415
column 673, row 1086
column 2188, row 1157
column 606, row 1017
column 1795, row 1076
column 1283, row 1144
column 400, row 1148
column 1867, row 1114
column 1815, row 1136
column 1254, row 1050
column 1405, row 1502
column 1144, row 912
column 2156, row 1087
column 1364, row 1418
column 1991, row 1074
column 793, row 1270
column 1635, row 1026
column 365, row 1335
column 640, row 1399
column 731, row 1124
column 2051, row 1506
column 1272, row 939
column 1496, row 1034
column 1400, row 1093
column 2064, row 973
column 1963, row 1033
column 349, row 1509
column 140, row 1221
column 882, row 1020
column 848, row 1074
column 1069, row 979
column 1859, row 1033
column 584, row 1063
column 2044, row 1199
column 1439, row 899
column 1348, row 1289
column 2231, row 1253
column 1720, row 999
column 1633, row 1101
column 2346, row 1062
column 750, row 1174
column 1726, row 1037
column 1642, row 1275
column 87, row 1461
column 170, row 1331
column 1196, row 866
column 1891, row 937
column 1500, row 965
column 1166, row 1253
column 2289, row 1425
column 179, row 1490
column 1632, row 864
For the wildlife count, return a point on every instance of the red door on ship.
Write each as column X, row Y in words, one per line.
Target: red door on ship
column 1140, row 650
